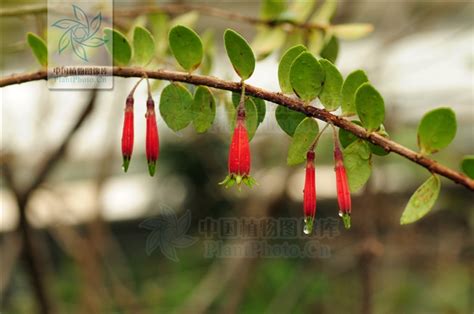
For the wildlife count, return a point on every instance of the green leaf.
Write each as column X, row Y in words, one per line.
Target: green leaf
column 436, row 130
column 346, row 138
column 353, row 81
column 240, row 54
column 303, row 138
column 143, row 46
column 186, row 47
column 261, row 108
column 267, row 41
column 301, row 9
column 316, row 41
column 325, row 13
column 370, row 107
column 357, row 163
column 159, row 27
column 294, row 37
column 352, row 31
column 175, row 106
column 467, row 166
column 118, row 46
column 208, row 43
column 288, row 119
column 203, row 109
column 378, row 150
column 271, row 9
column 422, row 201
column 331, row 49
column 306, row 76
column 331, row 94
column 285, row 65
column 39, row 48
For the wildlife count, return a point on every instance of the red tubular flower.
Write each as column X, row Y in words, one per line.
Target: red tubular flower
column 309, row 193
column 152, row 139
column 343, row 192
column 127, row 133
column 239, row 155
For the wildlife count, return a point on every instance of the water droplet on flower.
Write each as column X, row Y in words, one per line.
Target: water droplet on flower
column 306, row 230
column 341, row 214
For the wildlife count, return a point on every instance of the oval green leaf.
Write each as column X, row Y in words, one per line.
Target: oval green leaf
column 261, row 108
column 285, row 65
column 353, row 81
column 301, row 9
column 39, row 48
column 288, row 119
column 240, row 54
column 175, row 106
column 331, row 49
column 159, row 27
column 143, row 46
column 436, row 130
column 306, row 76
column 186, row 47
column 352, row 31
column 315, row 41
column 203, row 109
column 357, row 163
column 303, row 138
column 422, row 201
column 325, row 12
column 331, row 93
column 209, row 51
column 267, row 41
column 467, row 166
column 118, row 46
column 271, row 9
column 370, row 107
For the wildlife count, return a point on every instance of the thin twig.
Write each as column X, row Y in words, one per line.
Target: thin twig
column 178, row 8
column 279, row 99
column 31, row 252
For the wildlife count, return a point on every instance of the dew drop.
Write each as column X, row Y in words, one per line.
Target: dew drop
column 306, row 230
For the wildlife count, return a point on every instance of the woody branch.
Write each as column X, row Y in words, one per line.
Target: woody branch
column 277, row 98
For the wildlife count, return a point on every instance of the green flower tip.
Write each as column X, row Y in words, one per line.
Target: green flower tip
column 308, row 225
column 152, row 167
column 232, row 179
column 346, row 219
column 126, row 163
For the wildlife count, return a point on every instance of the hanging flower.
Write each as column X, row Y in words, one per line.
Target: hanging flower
column 239, row 155
column 127, row 133
column 152, row 139
column 343, row 192
column 309, row 193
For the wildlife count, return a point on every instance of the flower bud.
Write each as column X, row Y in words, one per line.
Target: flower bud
column 127, row 133
column 239, row 155
column 152, row 139
column 309, row 193
column 342, row 184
